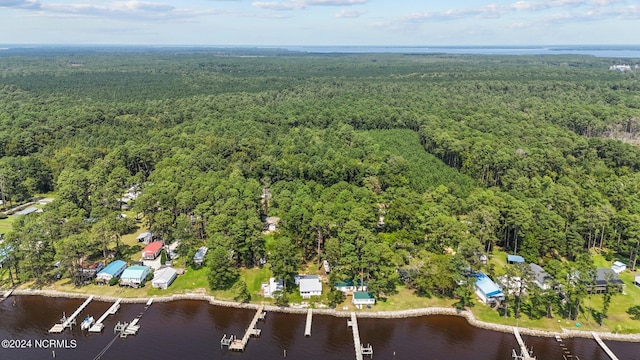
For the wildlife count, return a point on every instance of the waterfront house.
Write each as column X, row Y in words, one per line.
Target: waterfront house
column 487, row 290
column 163, row 277
column 363, row 298
column 198, row 258
column 540, row 277
column 604, row 277
column 113, row 270
column 152, row 250
column 310, row 285
column 513, row 259
column 88, row 271
column 618, row 267
column 271, row 287
column 134, row 276
column 348, row 287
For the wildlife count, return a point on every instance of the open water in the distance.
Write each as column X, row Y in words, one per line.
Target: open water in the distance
column 193, row 329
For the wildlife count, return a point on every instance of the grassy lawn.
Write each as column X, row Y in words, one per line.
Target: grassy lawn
column 7, row 224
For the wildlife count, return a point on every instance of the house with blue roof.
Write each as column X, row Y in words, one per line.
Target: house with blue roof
column 113, row 270
column 513, row 259
column 134, row 276
column 487, row 290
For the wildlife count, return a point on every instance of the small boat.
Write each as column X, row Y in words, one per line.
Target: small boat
column 87, row 322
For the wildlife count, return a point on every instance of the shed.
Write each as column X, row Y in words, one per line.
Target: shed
column 487, row 290
column 363, row 298
column 636, row 281
column 114, row 269
column 512, row 259
column 152, row 250
column 618, row 267
column 145, row 237
column 163, row 277
column 310, row 285
column 134, row 276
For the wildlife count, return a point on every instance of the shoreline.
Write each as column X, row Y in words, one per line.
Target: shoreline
column 399, row 314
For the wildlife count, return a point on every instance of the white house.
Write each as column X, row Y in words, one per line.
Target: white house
column 618, row 267
column 310, row 285
column 163, row 277
column 363, row 298
column 271, row 287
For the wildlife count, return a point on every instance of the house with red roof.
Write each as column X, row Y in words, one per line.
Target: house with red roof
column 151, row 251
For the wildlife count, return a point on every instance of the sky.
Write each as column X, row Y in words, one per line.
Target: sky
column 320, row 22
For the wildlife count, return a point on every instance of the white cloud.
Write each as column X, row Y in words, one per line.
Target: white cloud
column 121, row 9
column 23, row 4
column 303, row 4
column 271, row 5
column 344, row 13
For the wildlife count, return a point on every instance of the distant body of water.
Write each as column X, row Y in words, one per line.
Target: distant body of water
column 593, row 50
column 608, row 51
column 193, row 329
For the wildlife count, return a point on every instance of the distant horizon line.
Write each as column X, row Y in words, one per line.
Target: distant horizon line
column 509, row 46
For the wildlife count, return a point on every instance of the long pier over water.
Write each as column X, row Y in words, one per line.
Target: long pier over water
column 239, row 345
column 67, row 321
column 604, row 346
column 98, row 326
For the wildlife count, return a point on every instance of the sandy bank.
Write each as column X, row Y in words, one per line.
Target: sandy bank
column 380, row 314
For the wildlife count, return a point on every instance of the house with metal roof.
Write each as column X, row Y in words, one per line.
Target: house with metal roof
column 512, row 259
column 163, row 277
column 487, row 290
column 134, row 276
column 606, row 277
column 113, row 270
column 618, row 267
column 271, row 287
column 348, row 287
column 152, row 250
column 363, row 298
column 540, row 277
column 198, row 258
column 310, row 285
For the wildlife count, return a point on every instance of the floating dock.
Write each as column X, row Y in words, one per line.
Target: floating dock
column 125, row 329
column 604, row 346
column 239, row 345
column 98, row 326
column 307, row 327
column 68, row 321
column 524, row 352
column 360, row 350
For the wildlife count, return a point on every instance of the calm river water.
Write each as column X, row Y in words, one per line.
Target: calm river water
column 193, row 329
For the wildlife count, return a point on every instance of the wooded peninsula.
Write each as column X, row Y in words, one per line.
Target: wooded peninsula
column 411, row 176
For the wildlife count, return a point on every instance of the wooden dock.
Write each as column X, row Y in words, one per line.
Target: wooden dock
column 239, row 345
column 6, row 295
column 604, row 346
column 360, row 350
column 307, row 327
column 524, row 352
column 98, row 326
column 68, row 321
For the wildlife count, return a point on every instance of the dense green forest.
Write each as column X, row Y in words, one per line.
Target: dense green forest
column 386, row 165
